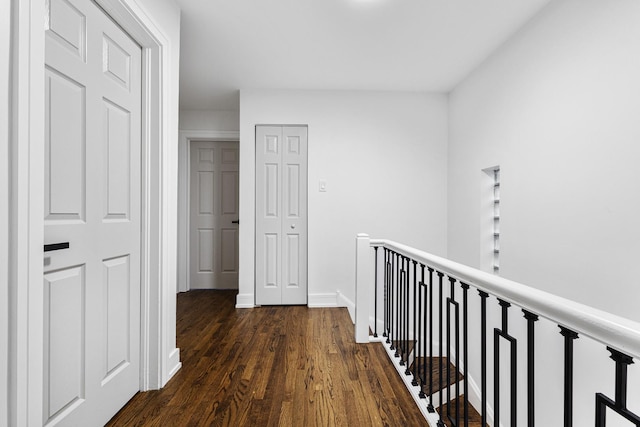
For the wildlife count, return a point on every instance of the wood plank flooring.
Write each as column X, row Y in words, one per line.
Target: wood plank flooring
column 272, row 366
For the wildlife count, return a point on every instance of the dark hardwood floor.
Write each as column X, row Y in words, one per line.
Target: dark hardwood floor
column 272, row 366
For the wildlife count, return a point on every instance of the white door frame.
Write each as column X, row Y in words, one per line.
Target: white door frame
column 5, row 49
column 184, row 172
column 27, row 189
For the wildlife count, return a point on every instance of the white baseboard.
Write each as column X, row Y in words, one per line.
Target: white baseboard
column 173, row 365
column 380, row 325
column 475, row 398
column 346, row 302
column 322, row 300
column 245, row 301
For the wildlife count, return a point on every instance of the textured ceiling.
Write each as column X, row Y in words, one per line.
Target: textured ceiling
column 412, row 45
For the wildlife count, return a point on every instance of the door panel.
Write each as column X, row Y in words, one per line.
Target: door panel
column 117, row 161
column 92, row 200
column 214, row 198
column 64, row 339
column 68, row 26
column 116, row 290
column 206, row 256
column 65, row 148
column 294, row 222
column 281, row 215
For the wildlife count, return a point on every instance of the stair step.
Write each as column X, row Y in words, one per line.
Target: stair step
column 453, row 372
column 475, row 420
column 407, row 346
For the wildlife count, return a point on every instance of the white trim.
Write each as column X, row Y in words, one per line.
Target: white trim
column 160, row 358
column 606, row 328
column 346, row 302
column 364, row 266
column 475, row 398
column 26, row 224
column 184, row 170
column 245, row 301
column 328, row 299
column 5, row 119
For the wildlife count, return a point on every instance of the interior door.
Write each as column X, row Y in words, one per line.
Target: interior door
column 281, row 215
column 214, row 218
column 92, row 202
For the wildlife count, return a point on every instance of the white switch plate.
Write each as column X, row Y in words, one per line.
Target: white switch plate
column 322, row 186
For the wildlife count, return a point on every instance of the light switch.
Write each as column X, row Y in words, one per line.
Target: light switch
column 323, row 186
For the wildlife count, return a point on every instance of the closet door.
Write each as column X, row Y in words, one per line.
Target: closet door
column 281, row 215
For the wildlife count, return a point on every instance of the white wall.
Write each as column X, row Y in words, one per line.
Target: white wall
column 557, row 108
column 383, row 156
column 217, row 120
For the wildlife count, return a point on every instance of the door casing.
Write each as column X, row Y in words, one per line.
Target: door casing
column 26, row 183
column 184, row 172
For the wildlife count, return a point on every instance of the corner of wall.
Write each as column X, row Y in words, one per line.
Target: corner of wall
column 245, row 301
column 343, row 301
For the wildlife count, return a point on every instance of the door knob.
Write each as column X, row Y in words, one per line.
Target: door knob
column 293, row 226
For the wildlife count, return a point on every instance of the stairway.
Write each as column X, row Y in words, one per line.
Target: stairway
column 447, row 411
column 475, row 420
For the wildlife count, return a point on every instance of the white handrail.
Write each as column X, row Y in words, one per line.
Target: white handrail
column 614, row 331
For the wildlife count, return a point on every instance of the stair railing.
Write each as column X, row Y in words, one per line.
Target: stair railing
column 418, row 305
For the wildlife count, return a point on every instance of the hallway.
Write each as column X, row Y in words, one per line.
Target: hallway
column 272, row 366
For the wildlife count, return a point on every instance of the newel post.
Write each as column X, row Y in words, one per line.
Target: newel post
column 364, row 285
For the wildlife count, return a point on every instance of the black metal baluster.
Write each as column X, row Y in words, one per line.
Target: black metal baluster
column 386, row 293
column 399, row 306
column 407, row 317
column 504, row 333
column 405, row 310
column 531, row 319
column 394, row 308
column 414, row 339
column 620, row 404
column 448, row 352
column 569, row 337
column 375, row 293
column 483, row 355
column 422, row 323
column 451, row 302
column 440, row 367
column 465, row 355
column 392, row 305
column 430, row 408
column 389, row 294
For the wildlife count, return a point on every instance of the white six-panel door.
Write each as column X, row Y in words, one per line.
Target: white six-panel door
column 281, row 215
column 213, row 218
column 92, row 201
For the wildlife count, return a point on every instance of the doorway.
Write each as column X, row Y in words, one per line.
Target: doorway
column 213, row 215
